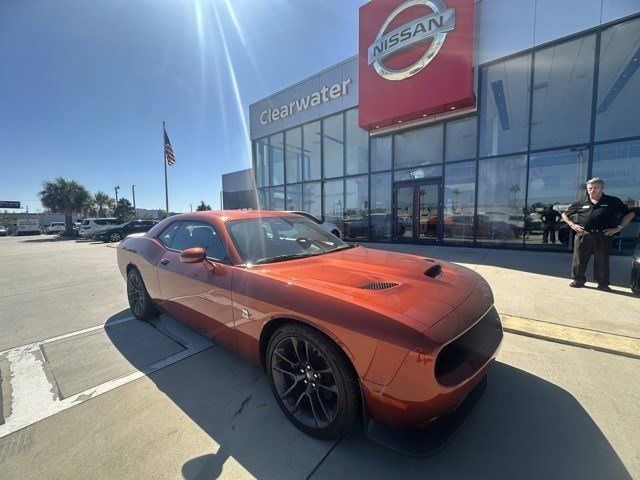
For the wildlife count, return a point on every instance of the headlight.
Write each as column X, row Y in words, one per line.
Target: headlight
column 637, row 259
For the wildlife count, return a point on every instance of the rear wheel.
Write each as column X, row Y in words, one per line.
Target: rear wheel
column 313, row 382
column 139, row 301
column 115, row 237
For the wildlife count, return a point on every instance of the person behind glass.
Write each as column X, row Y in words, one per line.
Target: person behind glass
column 549, row 216
column 594, row 218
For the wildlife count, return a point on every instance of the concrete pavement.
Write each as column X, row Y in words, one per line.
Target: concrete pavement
column 51, row 287
column 550, row 411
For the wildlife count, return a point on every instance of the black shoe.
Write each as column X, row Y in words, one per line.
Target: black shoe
column 576, row 284
column 604, row 287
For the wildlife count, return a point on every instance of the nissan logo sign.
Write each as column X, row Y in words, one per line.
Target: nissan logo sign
column 433, row 26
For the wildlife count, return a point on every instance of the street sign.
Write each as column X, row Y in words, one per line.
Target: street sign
column 9, row 204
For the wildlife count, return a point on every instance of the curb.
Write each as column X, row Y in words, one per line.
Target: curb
column 577, row 337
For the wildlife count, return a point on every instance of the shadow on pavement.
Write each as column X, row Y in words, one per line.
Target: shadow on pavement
column 555, row 264
column 524, row 428
column 49, row 239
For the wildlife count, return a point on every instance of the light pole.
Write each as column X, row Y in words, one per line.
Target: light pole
column 116, row 188
column 191, row 208
column 133, row 194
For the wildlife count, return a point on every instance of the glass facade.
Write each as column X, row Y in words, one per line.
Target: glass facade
column 547, row 119
column 333, row 146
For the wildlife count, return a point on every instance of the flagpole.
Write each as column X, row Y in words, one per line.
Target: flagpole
column 166, row 187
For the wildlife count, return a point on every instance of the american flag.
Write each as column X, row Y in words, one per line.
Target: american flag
column 168, row 151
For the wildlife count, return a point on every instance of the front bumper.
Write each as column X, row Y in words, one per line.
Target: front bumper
column 435, row 436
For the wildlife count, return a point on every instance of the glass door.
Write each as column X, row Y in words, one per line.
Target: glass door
column 418, row 211
column 404, row 212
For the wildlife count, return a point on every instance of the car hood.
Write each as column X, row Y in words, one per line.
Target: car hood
column 421, row 288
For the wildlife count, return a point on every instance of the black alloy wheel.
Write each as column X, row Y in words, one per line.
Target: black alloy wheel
column 312, row 382
column 139, row 300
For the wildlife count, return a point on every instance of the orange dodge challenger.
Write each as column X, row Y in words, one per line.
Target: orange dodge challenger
column 345, row 333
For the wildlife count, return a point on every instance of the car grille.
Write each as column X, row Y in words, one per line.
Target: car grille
column 467, row 354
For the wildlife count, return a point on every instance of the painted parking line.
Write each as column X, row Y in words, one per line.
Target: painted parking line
column 34, row 397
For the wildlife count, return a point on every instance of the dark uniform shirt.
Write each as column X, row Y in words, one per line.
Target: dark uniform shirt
column 606, row 213
column 549, row 216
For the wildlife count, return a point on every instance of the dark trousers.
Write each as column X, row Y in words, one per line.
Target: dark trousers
column 590, row 243
column 546, row 230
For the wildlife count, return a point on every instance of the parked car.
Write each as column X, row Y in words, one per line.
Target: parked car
column 635, row 271
column 28, row 226
column 333, row 225
column 55, row 227
column 342, row 331
column 3, row 231
column 91, row 226
column 117, row 233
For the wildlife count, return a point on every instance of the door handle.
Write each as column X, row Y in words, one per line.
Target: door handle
column 164, row 261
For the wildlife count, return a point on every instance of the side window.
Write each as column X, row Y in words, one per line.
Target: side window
column 195, row 234
column 168, row 234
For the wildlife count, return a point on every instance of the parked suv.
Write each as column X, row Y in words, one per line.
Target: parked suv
column 91, row 226
column 117, row 233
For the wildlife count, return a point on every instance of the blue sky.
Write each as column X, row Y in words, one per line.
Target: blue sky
column 85, row 86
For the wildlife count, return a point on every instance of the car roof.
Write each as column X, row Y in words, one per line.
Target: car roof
column 227, row 215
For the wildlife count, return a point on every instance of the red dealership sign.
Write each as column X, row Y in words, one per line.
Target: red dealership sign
column 416, row 59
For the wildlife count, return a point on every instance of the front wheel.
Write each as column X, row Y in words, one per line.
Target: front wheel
column 313, row 382
column 115, row 237
column 139, row 301
column 635, row 285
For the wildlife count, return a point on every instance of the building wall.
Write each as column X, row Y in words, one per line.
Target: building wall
column 239, row 190
column 548, row 118
column 503, row 27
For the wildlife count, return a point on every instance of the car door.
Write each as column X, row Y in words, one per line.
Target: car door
column 195, row 293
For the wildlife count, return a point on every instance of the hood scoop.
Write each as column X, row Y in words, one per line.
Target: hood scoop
column 379, row 285
column 434, row 272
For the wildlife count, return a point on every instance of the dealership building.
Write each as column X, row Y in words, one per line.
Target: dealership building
column 461, row 122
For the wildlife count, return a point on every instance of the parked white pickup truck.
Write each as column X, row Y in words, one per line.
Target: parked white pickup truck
column 28, row 226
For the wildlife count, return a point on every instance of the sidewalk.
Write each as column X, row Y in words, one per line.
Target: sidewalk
column 535, row 285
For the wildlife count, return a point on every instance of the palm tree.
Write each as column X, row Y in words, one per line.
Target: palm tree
column 104, row 203
column 203, row 207
column 124, row 211
column 64, row 196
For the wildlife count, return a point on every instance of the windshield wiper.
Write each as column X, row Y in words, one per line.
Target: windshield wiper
column 341, row 247
column 292, row 256
column 281, row 258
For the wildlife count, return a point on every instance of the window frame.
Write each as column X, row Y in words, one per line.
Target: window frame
column 180, row 223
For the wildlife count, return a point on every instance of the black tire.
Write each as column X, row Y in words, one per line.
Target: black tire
column 139, row 301
column 336, row 233
column 635, row 285
column 115, row 237
column 320, row 394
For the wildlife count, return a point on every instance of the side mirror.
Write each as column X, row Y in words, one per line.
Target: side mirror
column 193, row 255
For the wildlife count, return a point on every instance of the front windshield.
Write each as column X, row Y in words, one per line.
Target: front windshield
column 269, row 239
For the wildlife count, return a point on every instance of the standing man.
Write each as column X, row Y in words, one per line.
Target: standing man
column 549, row 217
column 594, row 226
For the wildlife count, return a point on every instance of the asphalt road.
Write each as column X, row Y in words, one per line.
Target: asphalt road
column 134, row 400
